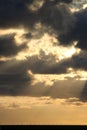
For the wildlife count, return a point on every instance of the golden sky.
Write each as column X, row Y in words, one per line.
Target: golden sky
column 42, row 111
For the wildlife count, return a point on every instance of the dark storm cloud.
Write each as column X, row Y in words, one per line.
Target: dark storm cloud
column 14, row 78
column 68, row 26
column 56, row 16
column 14, row 84
column 81, row 29
column 79, row 32
column 77, row 61
column 15, row 13
column 8, row 45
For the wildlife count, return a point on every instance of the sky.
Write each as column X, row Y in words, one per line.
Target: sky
column 43, row 64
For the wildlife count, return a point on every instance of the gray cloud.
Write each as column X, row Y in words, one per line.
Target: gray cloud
column 14, row 84
column 52, row 14
column 8, row 45
column 21, row 84
column 79, row 31
column 74, row 89
column 15, row 13
column 14, row 78
column 48, row 65
column 83, row 95
column 45, row 65
column 57, row 16
column 15, row 81
column 77, row 61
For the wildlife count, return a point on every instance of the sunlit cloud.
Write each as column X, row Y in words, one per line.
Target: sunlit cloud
column 31, row 102
column 49, row 45
column 27, row 102
column 18, row 34
column 84, row 6
column 35, row 5
column 77, row 74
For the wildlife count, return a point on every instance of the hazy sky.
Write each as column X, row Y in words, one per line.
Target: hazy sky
column 43, row 61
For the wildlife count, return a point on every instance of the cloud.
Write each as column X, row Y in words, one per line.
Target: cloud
column 79, row 31
column 47, row 63
column 18, row 13
column 83, row 96
column 27, row 102
column 56, row 17
column 41, row 95
column 77, row 62
column 74, row 101
column 14, row 84
column 23, row 84
column 15, row 13
column 8, row 46
column 14, row 80
column 30, row 102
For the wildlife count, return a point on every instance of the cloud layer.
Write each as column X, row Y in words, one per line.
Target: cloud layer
column 8, row 46
column 36, row 18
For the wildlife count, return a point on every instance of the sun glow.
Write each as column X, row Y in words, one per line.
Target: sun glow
column 69, row 52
